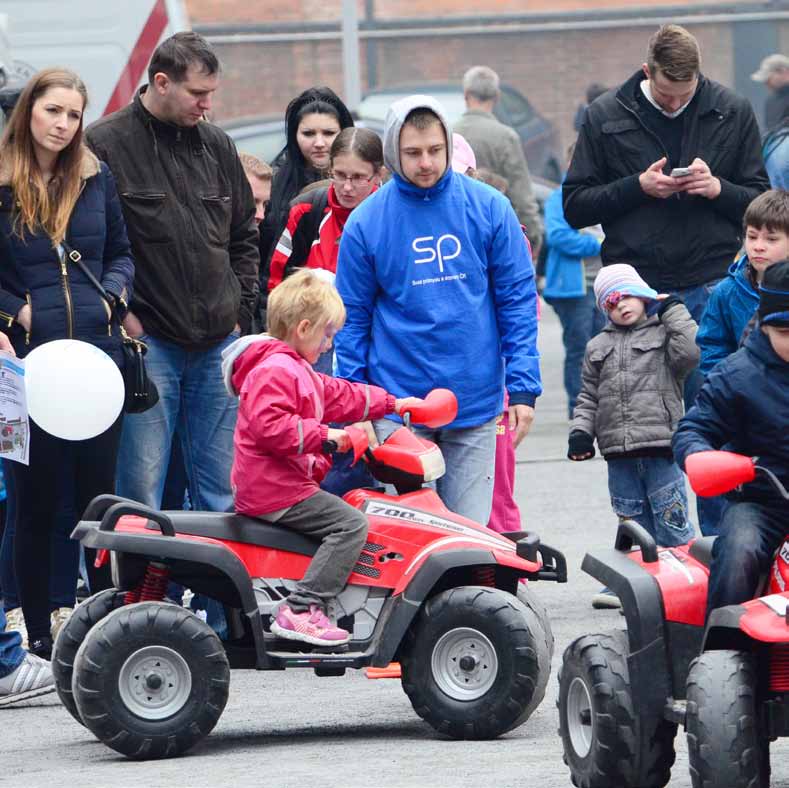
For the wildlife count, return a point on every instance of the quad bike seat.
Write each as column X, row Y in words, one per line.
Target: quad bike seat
column 701, row 549
column 231, row 527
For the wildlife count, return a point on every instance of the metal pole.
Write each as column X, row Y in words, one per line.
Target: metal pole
column 350, row 54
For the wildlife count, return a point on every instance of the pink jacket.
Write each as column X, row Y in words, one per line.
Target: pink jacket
column 283, row 409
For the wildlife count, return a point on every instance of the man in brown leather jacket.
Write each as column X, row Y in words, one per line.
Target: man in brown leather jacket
column 191, row 221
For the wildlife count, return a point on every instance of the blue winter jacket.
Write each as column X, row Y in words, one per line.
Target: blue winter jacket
column 744, row 406
column 439, row 289
column 564, row 268
column 64, row 303
column 730, row 307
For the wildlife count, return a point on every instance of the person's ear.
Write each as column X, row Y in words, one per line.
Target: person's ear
column 161, row 82
column 645, row 69
column 303, row 328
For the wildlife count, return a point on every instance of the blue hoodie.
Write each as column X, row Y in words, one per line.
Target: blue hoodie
column 439, row 289
column 730, row 307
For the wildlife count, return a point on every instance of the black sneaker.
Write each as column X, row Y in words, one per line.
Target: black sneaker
column 41, row 647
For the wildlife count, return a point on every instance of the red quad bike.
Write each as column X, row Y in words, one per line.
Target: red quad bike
column 437, row 592
column 623, row 693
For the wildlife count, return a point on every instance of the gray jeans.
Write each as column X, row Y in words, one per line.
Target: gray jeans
column 342, row 531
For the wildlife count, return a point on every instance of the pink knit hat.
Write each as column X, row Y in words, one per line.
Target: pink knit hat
column 620, row 278
column 462, row 155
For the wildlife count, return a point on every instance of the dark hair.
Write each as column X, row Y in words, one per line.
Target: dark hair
column 421, row 118
column 770, row 210
column 292, row 173
column 364, row 143
column 594, row 90
column 175, row 54
column 674, row 52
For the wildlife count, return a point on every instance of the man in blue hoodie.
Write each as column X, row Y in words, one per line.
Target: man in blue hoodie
column 438, row 284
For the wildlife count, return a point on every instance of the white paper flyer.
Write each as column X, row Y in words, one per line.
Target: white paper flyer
column 14, row 424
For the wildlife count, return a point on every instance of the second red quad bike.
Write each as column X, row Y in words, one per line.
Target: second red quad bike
column 622, row 694
column 442, row 595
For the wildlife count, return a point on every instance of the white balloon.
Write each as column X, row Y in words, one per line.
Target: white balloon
column 74, row 390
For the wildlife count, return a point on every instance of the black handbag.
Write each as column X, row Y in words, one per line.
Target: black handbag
column 141, row 391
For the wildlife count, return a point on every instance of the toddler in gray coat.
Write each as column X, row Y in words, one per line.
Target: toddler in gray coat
column 631, row 401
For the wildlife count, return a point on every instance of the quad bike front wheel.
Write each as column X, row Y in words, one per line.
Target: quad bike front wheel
column 69, row 639
column 606, row 741
column 151, row 680
column 726, row 746
column 471, row 665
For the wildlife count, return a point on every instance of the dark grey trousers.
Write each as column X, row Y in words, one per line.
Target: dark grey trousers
column 342, row 531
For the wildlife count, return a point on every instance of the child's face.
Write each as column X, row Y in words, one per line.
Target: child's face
column 628, row 311
column 779, row 339
column 765, row 247
column 310, row 340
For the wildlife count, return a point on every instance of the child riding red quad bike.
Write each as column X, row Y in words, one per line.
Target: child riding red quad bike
column 623, row 693
column 437, row 592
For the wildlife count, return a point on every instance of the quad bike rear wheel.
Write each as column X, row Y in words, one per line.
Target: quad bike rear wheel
column 471, row 665
column 69, row 639
column 151, row 680
column 726, row 746
column 606, row 741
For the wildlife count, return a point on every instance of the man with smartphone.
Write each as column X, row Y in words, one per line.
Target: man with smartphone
column 668, row 163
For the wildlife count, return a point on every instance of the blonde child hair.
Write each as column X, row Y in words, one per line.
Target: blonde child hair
column 303, row 296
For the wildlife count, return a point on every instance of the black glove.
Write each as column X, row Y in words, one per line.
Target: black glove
column 667, row 303
column 580, row 444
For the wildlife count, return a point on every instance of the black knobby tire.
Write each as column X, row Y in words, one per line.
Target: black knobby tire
column 606, row 740
column 531, row 599
column 151, row 680
column 726, row 746
column 70, row 638
column 464, row 625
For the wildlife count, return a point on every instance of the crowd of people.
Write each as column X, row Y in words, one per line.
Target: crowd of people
column 277, row 305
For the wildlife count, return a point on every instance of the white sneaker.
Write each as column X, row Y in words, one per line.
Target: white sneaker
column 57, row 618
column 15, row 620
column 32, row 678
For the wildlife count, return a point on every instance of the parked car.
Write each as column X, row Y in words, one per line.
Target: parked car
column 539, row 135
column 264, row 135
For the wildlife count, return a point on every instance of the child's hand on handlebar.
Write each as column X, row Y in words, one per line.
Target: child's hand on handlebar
column 406, row 404
column 341, row 438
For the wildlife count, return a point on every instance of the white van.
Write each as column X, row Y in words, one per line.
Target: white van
column 108, row 43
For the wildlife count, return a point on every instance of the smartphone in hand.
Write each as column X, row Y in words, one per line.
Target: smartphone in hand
column 681, row 172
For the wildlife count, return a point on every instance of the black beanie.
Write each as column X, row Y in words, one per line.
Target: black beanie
column 774, row 296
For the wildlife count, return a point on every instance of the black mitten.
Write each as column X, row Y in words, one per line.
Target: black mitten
column 580, row 443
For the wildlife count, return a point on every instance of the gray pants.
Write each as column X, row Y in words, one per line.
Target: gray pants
column 342, row 531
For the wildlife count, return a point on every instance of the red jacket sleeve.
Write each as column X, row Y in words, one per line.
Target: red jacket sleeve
column 284, row 247
column 269, row 407
column 344, row 400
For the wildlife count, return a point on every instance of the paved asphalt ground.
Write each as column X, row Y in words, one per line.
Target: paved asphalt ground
column 292, row 729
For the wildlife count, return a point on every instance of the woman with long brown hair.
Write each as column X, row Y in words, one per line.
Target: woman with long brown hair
column 57, row 203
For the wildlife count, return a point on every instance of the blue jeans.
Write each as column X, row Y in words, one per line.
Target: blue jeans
column 11, row 653
column 64, row 559
column 651, row 491
column 194, row 403
column 581, row 320
column 749, row 535
column 470, row 458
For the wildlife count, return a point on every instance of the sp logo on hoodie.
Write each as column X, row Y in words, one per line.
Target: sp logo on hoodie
column 447, row 247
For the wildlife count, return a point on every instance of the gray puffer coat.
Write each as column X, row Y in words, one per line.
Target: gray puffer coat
column 631, row 391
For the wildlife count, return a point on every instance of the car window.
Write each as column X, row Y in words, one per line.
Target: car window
column 517, row 109
column 265, row 144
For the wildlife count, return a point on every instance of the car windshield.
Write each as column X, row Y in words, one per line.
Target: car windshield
column 375, row 105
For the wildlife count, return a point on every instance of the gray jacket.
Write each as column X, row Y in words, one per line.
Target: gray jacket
column 631, row 390
column 498, row 148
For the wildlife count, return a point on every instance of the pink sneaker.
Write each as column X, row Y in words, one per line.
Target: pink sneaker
column 312, row 626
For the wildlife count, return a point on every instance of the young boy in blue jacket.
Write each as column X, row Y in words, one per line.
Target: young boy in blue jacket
column 744, row 405
column 734, row 301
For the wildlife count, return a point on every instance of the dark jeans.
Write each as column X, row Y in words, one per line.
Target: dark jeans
column 91, row 468
column 581, row 320
column 64, row 557
column 749, row 535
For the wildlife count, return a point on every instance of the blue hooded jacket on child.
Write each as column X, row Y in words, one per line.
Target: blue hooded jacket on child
column 728, row 312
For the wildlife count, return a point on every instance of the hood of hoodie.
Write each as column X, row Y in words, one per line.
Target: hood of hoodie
column 395, row 117
column 739, row 270
column 240, row 358
column 758, row 343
